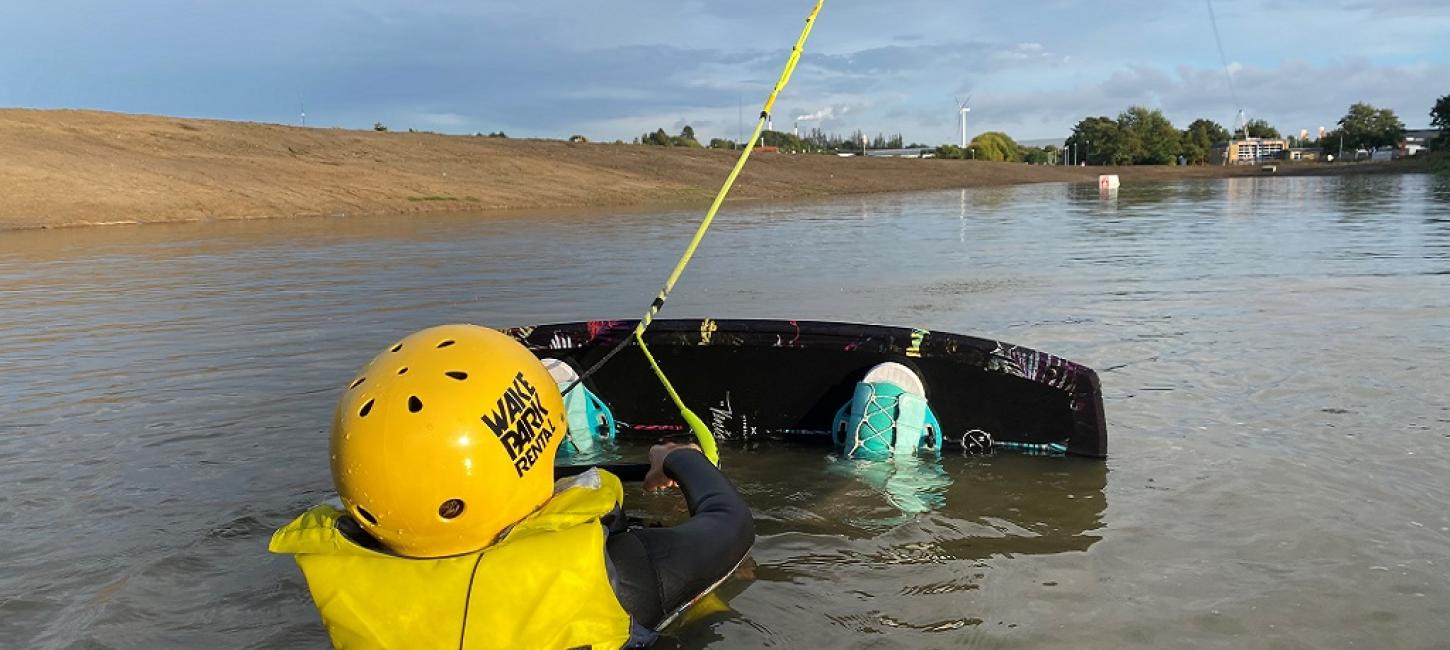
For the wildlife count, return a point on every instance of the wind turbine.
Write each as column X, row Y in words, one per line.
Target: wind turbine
column 962, row 109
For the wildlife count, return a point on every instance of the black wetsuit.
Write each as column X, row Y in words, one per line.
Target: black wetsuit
column 657, row 570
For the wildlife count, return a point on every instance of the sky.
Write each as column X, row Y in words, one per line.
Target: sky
column 613, row 70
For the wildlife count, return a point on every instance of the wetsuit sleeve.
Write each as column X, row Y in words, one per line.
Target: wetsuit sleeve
column 659, row 569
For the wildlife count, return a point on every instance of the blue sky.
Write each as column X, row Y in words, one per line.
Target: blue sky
column 552, row 68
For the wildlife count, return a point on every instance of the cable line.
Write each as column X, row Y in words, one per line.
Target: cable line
column 702, row 433
column 1233, row 92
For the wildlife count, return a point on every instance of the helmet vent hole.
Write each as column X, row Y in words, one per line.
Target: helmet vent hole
column 366, row 408
column 403, row 370
column 397, row 347
column 414, row 404
column 366, row 516
column 357, row 383
column 456, row 374
column 451, row 508
column 446, row 343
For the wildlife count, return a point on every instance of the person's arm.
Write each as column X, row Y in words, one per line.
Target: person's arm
column 708, row 494
column 660, row 569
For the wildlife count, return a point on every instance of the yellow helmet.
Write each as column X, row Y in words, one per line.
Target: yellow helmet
column 446, row 439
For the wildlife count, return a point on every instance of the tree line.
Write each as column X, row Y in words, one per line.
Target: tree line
column 1140, row 136
column 998, row 146
column 660, row 138
column 1137, row 136
column 815, row 141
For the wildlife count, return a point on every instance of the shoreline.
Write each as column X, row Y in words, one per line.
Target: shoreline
column 70, row 168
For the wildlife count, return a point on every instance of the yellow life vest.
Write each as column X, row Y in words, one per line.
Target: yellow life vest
column 543, row 585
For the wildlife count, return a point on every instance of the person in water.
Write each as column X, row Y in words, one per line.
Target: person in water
column 452, row 532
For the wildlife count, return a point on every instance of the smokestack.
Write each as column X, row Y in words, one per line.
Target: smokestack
column 796, row 130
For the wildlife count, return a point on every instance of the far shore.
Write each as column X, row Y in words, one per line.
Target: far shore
column 62, row 168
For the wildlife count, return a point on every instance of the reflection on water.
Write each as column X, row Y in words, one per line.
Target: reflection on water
column 1269, row 351
column 910, row 484
column 865, row 547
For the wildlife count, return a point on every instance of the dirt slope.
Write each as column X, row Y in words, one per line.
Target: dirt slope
column 64, row 168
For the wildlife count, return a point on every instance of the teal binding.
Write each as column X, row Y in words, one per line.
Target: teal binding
column 591, row 423
column 882, row 420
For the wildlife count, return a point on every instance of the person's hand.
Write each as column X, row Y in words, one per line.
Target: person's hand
column 655, row 480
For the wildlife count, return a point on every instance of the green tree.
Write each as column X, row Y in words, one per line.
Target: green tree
column 1035, row 155
column 787, row 142
column 659, row 138
column 686, row 138
column 379, row 127
column 1259, row 128
column 950, row 151
column 1440, row 119
column 1330, row 143
column 1148, row 136
column 1200, row 137
column 1140, row 136
column 721, row 143
column 1367, row 127
column 1094, row 139
column 993, row 145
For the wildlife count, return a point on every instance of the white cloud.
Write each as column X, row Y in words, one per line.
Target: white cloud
column 826, row 113
column 1293, row 95
column 617, row 69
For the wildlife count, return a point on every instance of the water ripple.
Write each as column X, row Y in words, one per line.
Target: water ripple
column 1270, row 353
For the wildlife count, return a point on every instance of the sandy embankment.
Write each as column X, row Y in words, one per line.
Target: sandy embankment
column 68, row 168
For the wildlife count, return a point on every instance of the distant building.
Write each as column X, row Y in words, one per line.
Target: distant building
column 1303, row 153
column 1416, row 141
column 1250, row 151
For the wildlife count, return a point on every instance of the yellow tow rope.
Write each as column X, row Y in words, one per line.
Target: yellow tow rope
column 702, row 433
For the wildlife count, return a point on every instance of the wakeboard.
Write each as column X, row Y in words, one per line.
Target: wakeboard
column 760, row 379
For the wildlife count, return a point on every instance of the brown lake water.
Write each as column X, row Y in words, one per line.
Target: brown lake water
column 1274, row 354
